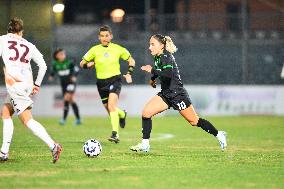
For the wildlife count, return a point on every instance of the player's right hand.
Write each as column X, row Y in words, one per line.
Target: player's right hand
column 90, row 64
column 153, row 83
column 35, row 90
column 128, row 78
column 50, row 78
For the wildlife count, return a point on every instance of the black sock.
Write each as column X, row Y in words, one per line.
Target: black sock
column 76, row 110
column 146, row 127
column 65, row 110
column 207, row 126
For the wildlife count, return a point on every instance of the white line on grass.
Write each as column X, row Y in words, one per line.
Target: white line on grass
column 163, row 136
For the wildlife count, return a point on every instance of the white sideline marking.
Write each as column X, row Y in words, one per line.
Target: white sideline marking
column 163, row 136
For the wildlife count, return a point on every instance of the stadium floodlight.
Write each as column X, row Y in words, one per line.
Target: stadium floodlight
column 117, row 15
column 58, row 8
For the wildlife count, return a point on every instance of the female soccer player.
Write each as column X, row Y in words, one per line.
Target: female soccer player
column 67, row 73
column 17, row 54
column 173, row 94
column 105, row 58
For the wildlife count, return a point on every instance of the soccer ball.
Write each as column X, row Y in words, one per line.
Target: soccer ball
column 92, row 148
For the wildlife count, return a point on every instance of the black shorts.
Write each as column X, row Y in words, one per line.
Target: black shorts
column 179, row 100
column 107, row 86
column 69, row 87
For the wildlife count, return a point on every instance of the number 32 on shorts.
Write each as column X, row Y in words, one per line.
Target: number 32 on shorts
column 181, row 105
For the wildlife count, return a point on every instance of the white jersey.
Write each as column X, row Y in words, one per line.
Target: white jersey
column 17, row 54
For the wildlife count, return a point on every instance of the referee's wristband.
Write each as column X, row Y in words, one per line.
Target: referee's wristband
column 130, row 70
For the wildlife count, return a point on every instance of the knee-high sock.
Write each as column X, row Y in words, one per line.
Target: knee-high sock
column 76, row 110
column 207, row 126
column 40, row 132
column 146, row 127
column 121, row 113
column 66, row 109
column 8, row 128
column 114, row 119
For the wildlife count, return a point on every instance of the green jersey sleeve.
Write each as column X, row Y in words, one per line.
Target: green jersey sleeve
column 52, row 69
column 124, row 53
column 90, row 55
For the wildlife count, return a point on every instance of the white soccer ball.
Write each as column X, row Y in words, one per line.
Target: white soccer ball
column 92, row 148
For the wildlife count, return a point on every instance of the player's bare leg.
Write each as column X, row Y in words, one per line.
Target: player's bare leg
column 8, row 128
column 191, row 116
column 40, row 132
column 154, row 106
column 114, row 117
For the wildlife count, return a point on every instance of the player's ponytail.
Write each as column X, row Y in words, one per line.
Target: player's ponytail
column 167, row 42
column 170, row 46
column 15, row 25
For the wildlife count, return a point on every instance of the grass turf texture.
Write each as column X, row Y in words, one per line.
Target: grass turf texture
column 192, row 159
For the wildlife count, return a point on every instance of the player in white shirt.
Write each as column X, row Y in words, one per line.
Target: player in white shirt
column 17, row 54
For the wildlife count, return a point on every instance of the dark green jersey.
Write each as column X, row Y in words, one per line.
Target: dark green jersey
column 167, row 70
column 65, row 70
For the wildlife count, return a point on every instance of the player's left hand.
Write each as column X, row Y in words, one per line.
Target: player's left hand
column 90, row 65
column 35, row 90
column 73, row 79
column 147, row 68
column 128, row 78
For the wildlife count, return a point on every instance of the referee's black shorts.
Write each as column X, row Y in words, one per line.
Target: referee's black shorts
column 109, row 85
column 178, row 100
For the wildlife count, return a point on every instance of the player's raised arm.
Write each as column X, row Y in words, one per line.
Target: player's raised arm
column 125, row 55
column 87, row 59
column 38, row 59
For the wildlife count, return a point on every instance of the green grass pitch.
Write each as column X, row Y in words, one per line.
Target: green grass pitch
column 191, row 159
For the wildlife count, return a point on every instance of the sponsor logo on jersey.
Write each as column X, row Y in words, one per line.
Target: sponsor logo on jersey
column 63, row 72
column 106, row 55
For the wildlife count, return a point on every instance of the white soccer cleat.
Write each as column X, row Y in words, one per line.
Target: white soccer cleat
column 222, row 138
column 140, row 147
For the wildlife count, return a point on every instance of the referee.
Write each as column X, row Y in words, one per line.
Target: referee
column 105, row 58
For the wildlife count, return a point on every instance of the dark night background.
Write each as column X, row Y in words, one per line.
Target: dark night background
column 101, row 9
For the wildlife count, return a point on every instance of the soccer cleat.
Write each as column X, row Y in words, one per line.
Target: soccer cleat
column 222, row 138
column 114, row 137
column 56, row 151
column 3, row 156
column 78, row 122
column 122, row 120
column 140, row 147
column 62, row 122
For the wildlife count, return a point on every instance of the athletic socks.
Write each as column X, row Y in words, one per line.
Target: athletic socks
column 40, row 132
column 76, row 110
column 207, row 126
column 65, row 110
column 145, row 142
column 121, row 113
column 114, row 119
column 8, row 128
column 146, row 127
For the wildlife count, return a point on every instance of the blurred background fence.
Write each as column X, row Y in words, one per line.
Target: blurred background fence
column 219, row 41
